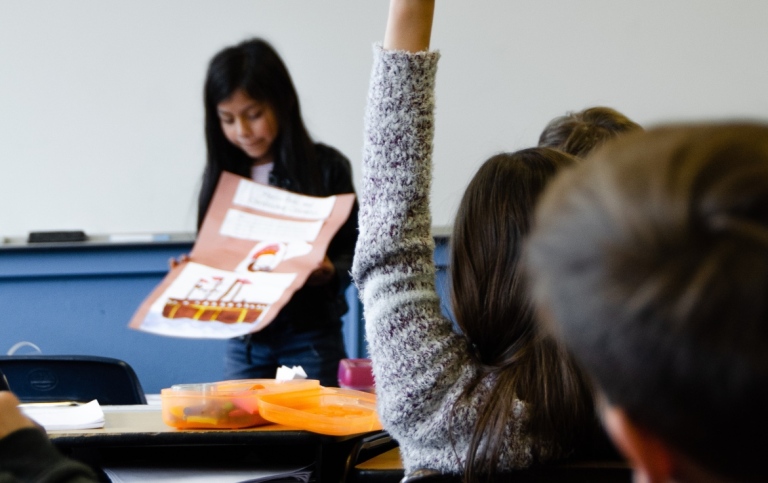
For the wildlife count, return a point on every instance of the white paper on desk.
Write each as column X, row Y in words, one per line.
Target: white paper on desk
column 119, row 474
column 52, row 418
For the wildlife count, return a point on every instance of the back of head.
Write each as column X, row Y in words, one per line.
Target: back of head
column 494, row 215
column 578, row 133
column 651, row 262
column 493, row 310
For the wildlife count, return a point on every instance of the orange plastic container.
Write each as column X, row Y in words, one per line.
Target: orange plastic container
column 222, row 405
column 333, row 411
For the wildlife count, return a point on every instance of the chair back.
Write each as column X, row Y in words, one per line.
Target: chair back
column 366, row 448
column 47, row 378
column 578, row 472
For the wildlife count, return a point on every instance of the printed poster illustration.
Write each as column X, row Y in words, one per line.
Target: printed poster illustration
column 257, row 246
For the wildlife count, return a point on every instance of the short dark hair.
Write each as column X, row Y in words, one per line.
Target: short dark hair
column 578, row 133
column 651, row 261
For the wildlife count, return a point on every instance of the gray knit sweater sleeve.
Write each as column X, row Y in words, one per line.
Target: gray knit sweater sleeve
column 421, row 366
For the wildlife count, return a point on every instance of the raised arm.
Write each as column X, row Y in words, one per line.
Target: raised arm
column 421, row 365
column 409, row 25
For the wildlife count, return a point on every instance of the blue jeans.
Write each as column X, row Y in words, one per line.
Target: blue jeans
column 257, row 356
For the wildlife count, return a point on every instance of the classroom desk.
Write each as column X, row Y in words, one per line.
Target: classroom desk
column 137, row 435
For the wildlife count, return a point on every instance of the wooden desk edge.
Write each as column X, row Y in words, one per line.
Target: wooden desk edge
column 125, row 425
column 389, row 460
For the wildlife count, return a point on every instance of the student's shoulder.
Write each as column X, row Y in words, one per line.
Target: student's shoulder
column 335, row 169
column 28, row 455
column 328, row 156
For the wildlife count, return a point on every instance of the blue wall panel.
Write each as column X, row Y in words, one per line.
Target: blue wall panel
column 79, row 298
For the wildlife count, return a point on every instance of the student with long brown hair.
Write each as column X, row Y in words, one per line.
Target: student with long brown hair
column 499, row 395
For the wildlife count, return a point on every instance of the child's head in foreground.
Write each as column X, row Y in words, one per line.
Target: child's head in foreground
column 650, row 261
column 578, row 133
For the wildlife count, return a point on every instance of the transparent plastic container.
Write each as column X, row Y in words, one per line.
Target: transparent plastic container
column 331, row 411
column 222, row 405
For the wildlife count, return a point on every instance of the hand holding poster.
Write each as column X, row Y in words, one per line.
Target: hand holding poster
column 257, row 246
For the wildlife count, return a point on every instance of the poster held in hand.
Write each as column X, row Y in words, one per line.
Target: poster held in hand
column 257, row 246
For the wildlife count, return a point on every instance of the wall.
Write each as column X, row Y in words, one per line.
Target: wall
column 78, row 298
column 101, row 125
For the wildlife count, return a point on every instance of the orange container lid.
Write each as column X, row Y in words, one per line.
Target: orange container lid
column 222, row 405
column 323, row 410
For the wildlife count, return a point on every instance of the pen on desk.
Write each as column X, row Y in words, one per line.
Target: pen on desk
column 51, row 404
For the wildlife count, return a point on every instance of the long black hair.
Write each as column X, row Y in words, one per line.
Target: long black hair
column 255, row 67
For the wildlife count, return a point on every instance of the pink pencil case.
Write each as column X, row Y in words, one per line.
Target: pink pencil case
column 356, row 374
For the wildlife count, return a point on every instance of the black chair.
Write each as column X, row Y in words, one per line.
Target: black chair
column 595, row 461
column 581, row 472
column 364, row 449
column 47, row 378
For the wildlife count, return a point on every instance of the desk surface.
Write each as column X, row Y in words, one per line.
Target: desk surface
column 137, row 435
column 129, row 425
column 389, row 460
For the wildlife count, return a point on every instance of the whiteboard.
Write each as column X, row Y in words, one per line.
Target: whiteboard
column 101, row 120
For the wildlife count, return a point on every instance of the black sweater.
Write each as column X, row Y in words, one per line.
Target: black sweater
column 26, row 455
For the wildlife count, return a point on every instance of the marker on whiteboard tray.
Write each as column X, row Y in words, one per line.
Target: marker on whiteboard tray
column 56, row 236
column 139, row 237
